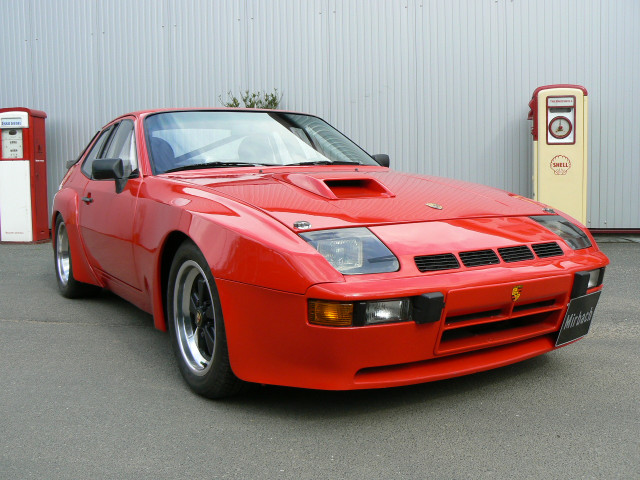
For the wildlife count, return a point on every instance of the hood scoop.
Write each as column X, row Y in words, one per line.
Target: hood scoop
column 338, row 188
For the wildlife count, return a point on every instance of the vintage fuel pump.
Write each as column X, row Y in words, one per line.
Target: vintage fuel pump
column 559, row 114
column 24, row 215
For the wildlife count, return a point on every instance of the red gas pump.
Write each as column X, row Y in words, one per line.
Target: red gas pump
column 24, row 214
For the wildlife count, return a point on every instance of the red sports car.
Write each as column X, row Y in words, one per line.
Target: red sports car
column 277, row 251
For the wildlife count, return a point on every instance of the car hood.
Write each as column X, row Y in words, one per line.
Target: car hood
column 352, row 197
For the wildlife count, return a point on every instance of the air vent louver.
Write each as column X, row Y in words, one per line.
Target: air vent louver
column 478, row 258
column 547, row 249
column 516, row 254
column 430, row 263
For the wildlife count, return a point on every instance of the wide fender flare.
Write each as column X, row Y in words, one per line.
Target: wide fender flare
column 253, row 248
column 239, row 242
column 236, row 249
column 250, row 249
column 263, row 257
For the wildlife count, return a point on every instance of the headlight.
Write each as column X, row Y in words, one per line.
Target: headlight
column 387, row 311
column 566, row 230
column 353, row 251
column 346, row 314
column 425, row 308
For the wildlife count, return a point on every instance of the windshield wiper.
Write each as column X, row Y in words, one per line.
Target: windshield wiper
column 198, row 166
column 326, row 162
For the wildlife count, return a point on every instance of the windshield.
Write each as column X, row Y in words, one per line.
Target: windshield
column 203, row 139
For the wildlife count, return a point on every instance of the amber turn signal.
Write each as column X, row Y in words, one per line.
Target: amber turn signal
column 332, row 314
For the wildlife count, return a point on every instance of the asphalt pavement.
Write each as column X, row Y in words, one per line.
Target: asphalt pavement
column 88, row 389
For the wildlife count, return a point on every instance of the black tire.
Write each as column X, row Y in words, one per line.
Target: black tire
column 196, row 326
column 67, row 284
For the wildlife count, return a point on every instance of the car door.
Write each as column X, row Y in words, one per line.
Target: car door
column 106, row 217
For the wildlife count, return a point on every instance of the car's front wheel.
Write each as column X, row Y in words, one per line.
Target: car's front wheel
column 195, row 322
column 67, row 284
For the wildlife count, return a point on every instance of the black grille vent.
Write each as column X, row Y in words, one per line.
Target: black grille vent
column 479, row 257
column 515, row 254
column 547, row 249
column 429, row 263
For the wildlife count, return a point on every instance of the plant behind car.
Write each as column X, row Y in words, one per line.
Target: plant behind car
column 257, row 99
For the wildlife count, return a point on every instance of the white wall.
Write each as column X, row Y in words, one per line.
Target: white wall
column 442, row 86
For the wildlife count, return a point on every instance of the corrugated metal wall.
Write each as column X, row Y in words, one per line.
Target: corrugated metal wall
column 442, row 86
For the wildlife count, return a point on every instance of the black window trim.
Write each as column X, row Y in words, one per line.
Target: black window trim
column 112, row 130
column 108, row 130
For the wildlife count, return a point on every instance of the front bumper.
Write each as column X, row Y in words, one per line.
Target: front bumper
column 481, row 327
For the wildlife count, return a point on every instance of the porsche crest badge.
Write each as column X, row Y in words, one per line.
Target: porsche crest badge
column 515, row 293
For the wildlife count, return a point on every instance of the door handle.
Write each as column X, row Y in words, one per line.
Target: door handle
column 87, row 200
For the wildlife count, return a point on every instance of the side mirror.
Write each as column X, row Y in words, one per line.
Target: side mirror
column 109, row 168
column 382, row 159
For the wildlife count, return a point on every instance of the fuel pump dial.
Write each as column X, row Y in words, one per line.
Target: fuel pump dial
column 560, row 127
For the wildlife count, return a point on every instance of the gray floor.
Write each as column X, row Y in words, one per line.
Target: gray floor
column 90, row 390
column 619, row 238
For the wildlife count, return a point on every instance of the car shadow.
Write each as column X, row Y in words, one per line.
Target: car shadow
column 321, row 404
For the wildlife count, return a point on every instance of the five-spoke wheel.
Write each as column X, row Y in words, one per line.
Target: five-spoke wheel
column 194, row 317
column 197, row 327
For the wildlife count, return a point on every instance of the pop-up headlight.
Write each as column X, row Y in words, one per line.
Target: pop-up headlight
column 353, row 251
column 566, row 230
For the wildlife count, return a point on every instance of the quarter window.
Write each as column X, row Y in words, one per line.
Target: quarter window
column 95, row 151
column 123, row 145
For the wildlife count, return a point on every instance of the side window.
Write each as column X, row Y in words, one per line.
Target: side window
column 95, row 151
column 123, row 145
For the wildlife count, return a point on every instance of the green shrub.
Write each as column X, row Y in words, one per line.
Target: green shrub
column 257, row 99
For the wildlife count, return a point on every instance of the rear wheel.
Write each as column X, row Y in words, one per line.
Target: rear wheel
column 69, row 287
column 195, row 322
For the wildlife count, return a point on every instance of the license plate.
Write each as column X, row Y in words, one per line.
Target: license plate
column 577, row 321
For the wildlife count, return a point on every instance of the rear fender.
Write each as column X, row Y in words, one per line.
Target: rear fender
column 65, row 204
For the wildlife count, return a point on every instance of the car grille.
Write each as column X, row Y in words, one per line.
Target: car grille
column 547, row 249
column 478, row 258
column 430, row 263
column 515, row 254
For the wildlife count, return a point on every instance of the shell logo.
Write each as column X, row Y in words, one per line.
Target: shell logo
column 560, row 164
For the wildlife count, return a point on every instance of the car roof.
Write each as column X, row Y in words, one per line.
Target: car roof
column 144, row 113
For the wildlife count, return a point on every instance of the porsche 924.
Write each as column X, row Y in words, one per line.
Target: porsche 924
column 276, row 251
